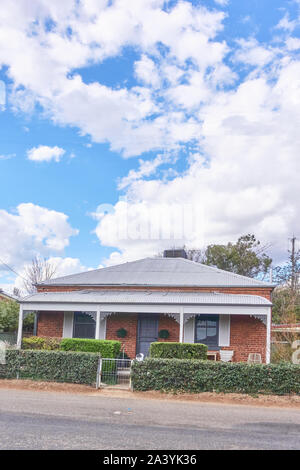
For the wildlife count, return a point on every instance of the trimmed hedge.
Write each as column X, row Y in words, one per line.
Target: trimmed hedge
column 178, row 350
column 107, row 348
column 51, row 366
column 36, row 342
column 194, row 376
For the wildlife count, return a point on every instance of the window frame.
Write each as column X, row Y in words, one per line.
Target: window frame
column 206, row 317
column 91, row 322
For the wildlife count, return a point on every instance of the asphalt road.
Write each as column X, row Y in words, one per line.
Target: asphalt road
column 42, row 420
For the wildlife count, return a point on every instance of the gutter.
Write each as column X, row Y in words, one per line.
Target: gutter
column 143, row 303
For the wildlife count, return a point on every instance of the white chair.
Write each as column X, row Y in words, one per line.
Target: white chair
column 226, row 356
column 254, row 358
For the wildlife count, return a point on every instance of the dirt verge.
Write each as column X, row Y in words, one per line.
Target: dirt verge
column 287, row 401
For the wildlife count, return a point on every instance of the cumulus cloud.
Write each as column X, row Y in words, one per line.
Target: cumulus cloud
column 43, row 153
column 32, row 230
column 250, row 183
column 59, row 41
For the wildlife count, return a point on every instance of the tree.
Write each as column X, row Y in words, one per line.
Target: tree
column 9, row 314
column 286, row 296
column 288, row 273
column 245, row 257
column 40, row 270
column 16, row 292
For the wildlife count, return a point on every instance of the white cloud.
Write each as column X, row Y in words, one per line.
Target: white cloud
column 287, row 24
column 32, row 230
column 146, row 168
column 249, row 184
column 293, row 43
column 43, row 153
column 131, row 120
column 222, row 2
column 250, row 52
column 147, row 72
column 7, row 157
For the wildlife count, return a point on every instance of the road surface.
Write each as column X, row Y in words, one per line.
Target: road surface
column 47, row 420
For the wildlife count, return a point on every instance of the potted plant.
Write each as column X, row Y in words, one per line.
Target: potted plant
column 121, row 333
column 163, row 334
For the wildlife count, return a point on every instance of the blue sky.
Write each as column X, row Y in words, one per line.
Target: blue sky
column 147, row 107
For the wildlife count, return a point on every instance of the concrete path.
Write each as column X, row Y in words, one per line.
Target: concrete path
column 47, row 420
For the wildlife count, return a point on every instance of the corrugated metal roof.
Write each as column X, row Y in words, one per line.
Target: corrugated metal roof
column 8, row 296
column 159, row 272
column 147, row 297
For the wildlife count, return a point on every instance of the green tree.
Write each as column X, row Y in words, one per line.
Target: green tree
column 286, row 296
column 9, row 314
column 245, row 257
column 9, row 317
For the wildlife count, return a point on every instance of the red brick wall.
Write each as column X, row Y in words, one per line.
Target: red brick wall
column 3, row 298
column 168, row 323
column 50, row 324
column 129, row 322
column 247, row 335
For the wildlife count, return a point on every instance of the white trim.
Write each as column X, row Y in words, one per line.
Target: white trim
column 20, row 328
column 103, row 328
column 98, row 323
column 155, row 308
column 227, row 310
column 189, row 330
column 224, row 330
column 268, row 349
column 181, row 325
column 68, row 325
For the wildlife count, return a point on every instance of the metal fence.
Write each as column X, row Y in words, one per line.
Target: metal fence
column 10, row 338
column 114, row 372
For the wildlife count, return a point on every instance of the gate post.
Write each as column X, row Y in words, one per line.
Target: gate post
column 99, row 372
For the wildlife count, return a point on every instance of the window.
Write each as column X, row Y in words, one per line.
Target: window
column 207, row 330
column 84, row 326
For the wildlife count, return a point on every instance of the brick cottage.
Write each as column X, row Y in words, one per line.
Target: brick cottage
column 157, row 299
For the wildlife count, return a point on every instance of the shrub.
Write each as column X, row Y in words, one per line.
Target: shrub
column 163, row 334
column 173, row 375
column 36, row 342
column 178, row 350
column 52, row 366
column 121, row 333
column 107, row 348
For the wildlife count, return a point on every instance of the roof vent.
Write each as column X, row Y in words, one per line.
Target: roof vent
column 175, row 253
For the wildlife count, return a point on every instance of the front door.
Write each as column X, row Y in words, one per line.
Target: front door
column 147, row 333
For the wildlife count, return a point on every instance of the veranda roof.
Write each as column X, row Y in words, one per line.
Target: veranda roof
column 146, row 297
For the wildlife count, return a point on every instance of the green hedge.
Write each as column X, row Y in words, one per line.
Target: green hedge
column 36, row 342
column 173, row 375
column 107, row 348
column 52, row 366
column 178, row 350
